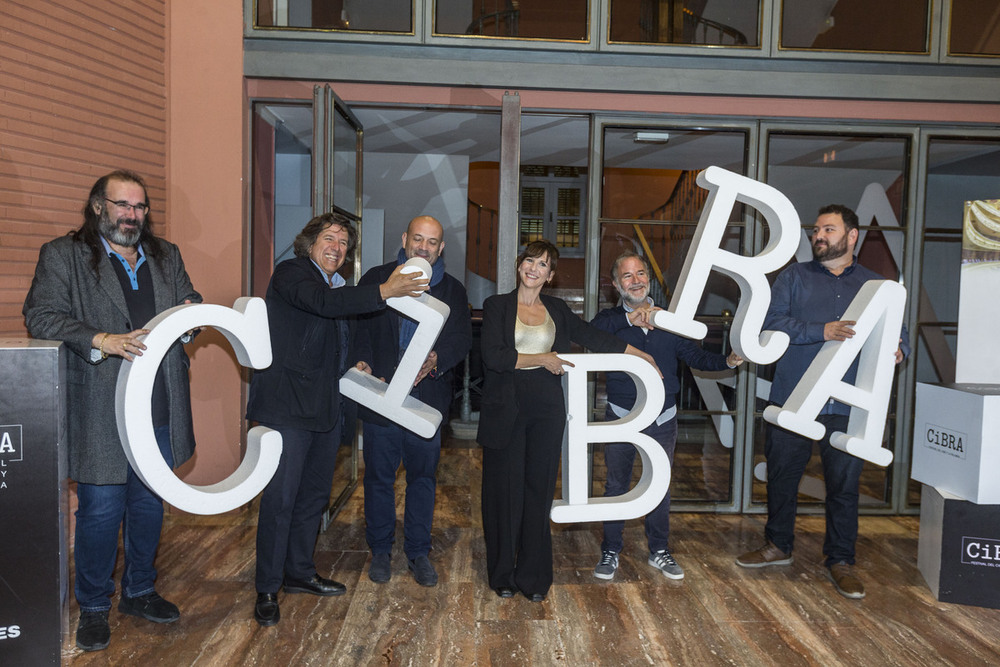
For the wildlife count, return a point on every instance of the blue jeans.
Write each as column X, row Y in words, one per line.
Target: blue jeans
column 103, row 510
column 385, row 447
column 619, row 458
column 787, row 455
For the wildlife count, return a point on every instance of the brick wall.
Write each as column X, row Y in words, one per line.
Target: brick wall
column 82, row 92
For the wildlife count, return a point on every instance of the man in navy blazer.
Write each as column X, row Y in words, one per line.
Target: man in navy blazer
column 380, row 341
column 94, row 289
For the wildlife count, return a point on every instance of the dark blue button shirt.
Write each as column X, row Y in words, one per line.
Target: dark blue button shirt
column 803, row 299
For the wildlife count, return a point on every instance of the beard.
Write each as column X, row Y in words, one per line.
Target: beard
column 824, row 251
column 634, row 299
column 116, row 233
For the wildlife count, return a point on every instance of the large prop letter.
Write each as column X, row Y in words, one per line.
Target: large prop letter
column 749, row 272
column 245, row 327
column 878, row 311
column 576, row 505
column 393, row 399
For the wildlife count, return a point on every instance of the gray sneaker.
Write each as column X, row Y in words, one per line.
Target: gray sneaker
column 665, row 563
column 607, row 566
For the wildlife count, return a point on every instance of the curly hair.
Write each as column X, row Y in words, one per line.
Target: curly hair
column 307, row 237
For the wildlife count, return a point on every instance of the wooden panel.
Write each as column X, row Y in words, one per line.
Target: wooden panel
column 82, row 89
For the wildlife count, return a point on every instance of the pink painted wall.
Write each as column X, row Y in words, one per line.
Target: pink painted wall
column 205, row 204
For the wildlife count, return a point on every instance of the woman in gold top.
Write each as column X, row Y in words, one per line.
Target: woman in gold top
column 522, row 417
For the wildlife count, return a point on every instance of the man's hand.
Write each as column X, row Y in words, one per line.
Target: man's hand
column 430, row 364
column 365, row 368
column 642, row 317
column 403, row 284
column 734, row 360
column 841, row 330
column 126, row 345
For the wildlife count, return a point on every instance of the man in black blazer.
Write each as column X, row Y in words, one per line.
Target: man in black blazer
column 380, row 342
column 93, row 290
column 298, row 395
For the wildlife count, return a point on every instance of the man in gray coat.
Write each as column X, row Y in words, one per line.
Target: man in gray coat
column 93, row 290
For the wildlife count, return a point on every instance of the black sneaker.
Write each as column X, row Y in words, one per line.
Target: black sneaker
column 150, row 607
column 93, row 632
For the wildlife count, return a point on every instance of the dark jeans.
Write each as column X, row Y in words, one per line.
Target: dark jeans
column 103, row 510
column 292, row 504
column 619, row 458
column 787, row 455
column 385, row 447
column 519, row 481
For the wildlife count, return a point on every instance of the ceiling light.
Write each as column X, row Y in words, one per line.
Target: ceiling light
column 651, row 137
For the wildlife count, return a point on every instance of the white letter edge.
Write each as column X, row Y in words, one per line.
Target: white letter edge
column 392, row 400
column 245, row 327
column 725, row 189
column 576, row 505
column 878, row 311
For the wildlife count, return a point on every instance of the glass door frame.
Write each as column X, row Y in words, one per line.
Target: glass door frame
column 909, row 275
column 745, row 378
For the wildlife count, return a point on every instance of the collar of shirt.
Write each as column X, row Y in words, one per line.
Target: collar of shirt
column 128, row 268
column 846, row 272
column 336, row 281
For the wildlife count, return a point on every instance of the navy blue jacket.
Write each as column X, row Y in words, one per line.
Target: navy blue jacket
column 301, row 387
column 376, row 342
column 665, row 348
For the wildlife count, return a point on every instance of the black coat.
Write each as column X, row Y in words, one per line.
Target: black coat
column 376, row 342
column 499, row 405
column 301, row 387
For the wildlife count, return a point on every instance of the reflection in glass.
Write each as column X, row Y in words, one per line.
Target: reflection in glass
column 360, row 15
column 522, row 19
column 813, row 170
column 345, row 164
column 719, row 23
column 894, row 26
column 975, row 28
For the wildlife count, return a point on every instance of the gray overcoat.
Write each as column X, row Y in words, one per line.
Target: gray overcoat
column 69, row 302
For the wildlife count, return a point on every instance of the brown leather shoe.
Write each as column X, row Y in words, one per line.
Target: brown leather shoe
column 765, row 556
column 842, row 576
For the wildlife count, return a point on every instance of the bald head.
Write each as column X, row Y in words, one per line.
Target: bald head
column 424, row 237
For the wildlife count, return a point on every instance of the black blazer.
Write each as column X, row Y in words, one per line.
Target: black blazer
column 499, row 405
column 301, row 387
column 376, row 342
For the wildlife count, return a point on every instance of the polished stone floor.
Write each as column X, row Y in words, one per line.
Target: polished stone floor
column 720, row 614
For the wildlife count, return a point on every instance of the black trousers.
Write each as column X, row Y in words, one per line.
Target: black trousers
column 519, row 481
column 292, row 504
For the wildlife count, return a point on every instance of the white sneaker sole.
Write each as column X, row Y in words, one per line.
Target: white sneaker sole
column 605, row 577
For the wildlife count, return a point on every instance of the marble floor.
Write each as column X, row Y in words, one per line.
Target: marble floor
column 720, row 614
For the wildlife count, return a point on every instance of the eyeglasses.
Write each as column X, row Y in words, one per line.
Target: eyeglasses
column 140, row 209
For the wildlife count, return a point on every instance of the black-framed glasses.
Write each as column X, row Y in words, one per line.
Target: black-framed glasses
column 140, row 209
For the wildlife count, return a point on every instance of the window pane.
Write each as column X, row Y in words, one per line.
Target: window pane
column 650, row 173
column 720, row 23
column 361, row 15
column 898, row 26
column 346, row 142
column 975, row 28
column 538, row 19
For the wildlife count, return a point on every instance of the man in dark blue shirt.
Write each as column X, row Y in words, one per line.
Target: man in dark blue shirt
column 807, row 301
column 632, row 322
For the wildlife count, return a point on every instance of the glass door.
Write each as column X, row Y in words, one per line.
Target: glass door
column 306, row 159
column 650, row 203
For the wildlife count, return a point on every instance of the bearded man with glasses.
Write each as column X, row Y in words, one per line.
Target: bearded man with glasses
column 94, row 289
